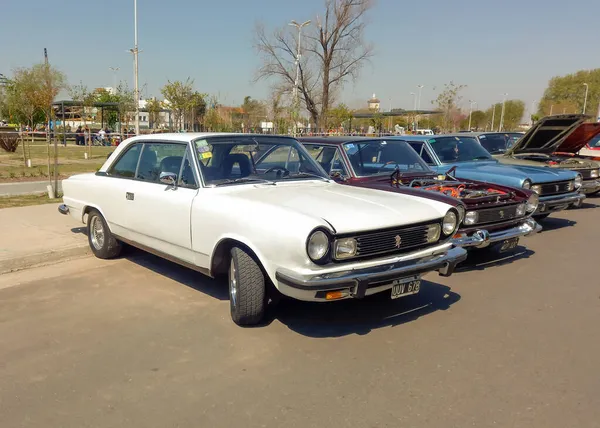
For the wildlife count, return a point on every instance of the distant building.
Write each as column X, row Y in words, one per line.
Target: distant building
column 374, row 103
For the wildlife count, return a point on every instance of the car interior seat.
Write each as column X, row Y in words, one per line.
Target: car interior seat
column 147, row 166
column 243, row 163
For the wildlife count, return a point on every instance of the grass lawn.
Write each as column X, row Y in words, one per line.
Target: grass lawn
column 71, row 160
column 25, row 200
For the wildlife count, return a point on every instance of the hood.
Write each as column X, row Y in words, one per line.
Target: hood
column 511, row 175
column 565, row 161
column 547, row 134
column 579, row 138
column 347, row 209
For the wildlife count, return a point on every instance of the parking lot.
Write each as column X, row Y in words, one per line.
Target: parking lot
column 141, row 342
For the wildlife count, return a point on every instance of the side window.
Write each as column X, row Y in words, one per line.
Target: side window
column 326, row 156
column 157, row 158
column 422, row 151
column 126, row 165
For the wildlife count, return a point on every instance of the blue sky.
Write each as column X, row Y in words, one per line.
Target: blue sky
column 492, row 47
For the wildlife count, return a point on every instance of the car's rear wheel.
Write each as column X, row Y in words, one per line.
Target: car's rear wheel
column 102, row 242
column 247, row 297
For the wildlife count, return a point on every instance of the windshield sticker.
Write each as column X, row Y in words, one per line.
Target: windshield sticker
column 350, row 148
column 206, row 155
column 432, row 140
column 374, row 160
column 481, row 137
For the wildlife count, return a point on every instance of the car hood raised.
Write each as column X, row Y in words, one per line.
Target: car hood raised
column 347, row 209
column 548, row 135
column 496, row 172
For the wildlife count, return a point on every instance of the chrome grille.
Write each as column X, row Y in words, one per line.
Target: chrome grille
column 385, row 241
column 586, row 174
column 555, row 188
column 496, row 215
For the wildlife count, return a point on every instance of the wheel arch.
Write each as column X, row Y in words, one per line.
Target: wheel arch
column 219, row 261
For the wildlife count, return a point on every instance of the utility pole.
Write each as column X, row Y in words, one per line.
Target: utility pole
column 135, row 52
column 419, row 103
column 551, row 108
column 586, row 95
column 414, row 110
column 532, row 111
column 114, row 70
column 471, row 102
column 493, row 117
column 296, row 80
column 502, row 114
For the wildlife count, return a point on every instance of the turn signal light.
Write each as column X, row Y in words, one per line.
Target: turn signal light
column 335, row 295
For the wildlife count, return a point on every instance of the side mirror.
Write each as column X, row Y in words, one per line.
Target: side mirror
column 169, row 178
column 337, row 175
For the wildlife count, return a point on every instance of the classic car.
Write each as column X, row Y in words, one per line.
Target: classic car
column 558, row 189
column 204, row 200
column 553, row 142
column 495, row 216
column 592, row 148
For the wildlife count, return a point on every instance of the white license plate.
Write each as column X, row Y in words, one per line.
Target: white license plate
column 406, row 287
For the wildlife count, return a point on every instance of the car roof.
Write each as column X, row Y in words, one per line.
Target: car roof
column 191, row 136
column 337, row 140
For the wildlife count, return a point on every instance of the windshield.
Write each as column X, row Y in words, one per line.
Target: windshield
column 595, row 142
column 499, row 143
column 383, row 157
column 250, row 159
column 458, row 149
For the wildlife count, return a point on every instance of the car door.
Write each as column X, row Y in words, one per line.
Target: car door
column 159, row 213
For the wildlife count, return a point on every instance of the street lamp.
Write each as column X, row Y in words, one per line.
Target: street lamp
column 502, row 114
column 419, row 103
column 551, row 108
column 532, row 111
column 414, row 109
column 114, row 70
column 296, row 106
column 135, row 52
column 471, row 102
column 586, row 95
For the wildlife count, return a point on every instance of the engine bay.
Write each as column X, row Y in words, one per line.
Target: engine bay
column 460, row 190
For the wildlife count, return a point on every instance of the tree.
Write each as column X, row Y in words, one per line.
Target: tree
column 339, row 115
column 179, row 96
column 81, row 95
column 448, row 103
column 513, row 114
column 197, row 108
column 154, row 107
column 253, row 112
column 335, row 50
column 567, row 93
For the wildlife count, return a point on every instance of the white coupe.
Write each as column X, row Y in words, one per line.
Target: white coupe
column 259, row 210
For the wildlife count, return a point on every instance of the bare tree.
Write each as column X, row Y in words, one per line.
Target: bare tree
column 335, row 51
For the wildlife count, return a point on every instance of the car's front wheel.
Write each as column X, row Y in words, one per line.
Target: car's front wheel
column 247, row 298
column 102, row 242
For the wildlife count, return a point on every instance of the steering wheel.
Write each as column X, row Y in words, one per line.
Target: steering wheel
column 389, row 163
column 284, row 170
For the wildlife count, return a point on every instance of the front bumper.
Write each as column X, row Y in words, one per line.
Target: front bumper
column 590, row 186
column 482, row 238
column 550, row 204
column 366, row 281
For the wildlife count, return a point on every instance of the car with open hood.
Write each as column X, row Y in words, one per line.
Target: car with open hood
column 462, row 153
column 592, row 148
column 493, row 215
column 259, row 211
column 554, row 142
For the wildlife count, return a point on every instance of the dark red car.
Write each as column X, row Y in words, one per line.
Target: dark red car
column 493, row 214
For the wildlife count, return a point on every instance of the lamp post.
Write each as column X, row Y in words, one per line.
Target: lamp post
column 135, row 52
column 471, row 102
column 551, row 108
column 419, row 103
column 586, row 95
column 502, row 114
column 414, row 110
column 532, row 111
column 296, row 104
column 114, row 70
column 493, row 117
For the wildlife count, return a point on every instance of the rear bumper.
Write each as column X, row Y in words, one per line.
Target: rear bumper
column 63, row 209
column 590, row 186
column 483, row 238
column 549, row 204
column 366, row 281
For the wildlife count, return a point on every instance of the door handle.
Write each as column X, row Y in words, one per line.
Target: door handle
column 129, row 196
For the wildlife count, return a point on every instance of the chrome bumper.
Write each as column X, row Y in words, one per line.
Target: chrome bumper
column 590, row 186
column 358, row 280
column 555, row 203
column 483, row 238
column 63, row 209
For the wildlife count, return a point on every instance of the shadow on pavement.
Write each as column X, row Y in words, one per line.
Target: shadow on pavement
column 554, row 223
column 587, row 205
column 482, row 259
column 82, row 230
column 336, row 319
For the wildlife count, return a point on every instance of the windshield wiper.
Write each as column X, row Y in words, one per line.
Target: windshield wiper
column 244, row 180
column 306, row 175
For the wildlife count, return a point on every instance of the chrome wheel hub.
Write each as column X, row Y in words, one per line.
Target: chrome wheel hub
column 232, row 284
column 97, row 233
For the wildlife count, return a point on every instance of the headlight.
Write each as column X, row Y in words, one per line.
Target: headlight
column 471, row 218
column 537, row 188
column 433, row 233
column 532, row 203
column 520, row 210
column 527, row 184
column 595, row 173
column 344, row 248
column 450, row 222
column 461, row 213
column 578, row 181
column 317, row 246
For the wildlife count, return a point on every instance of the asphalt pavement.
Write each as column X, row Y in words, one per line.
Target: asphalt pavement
column 141, row 342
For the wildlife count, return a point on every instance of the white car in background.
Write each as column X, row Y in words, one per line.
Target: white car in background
column 206, row 202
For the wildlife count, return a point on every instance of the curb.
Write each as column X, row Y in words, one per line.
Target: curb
column 44, row 258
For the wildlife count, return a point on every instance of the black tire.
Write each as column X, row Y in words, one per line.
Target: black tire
column 247, row 297
column 102, row 242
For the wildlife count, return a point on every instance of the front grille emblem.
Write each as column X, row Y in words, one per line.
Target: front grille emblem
column 556, row 188
column 501, row 213
column 398, row 241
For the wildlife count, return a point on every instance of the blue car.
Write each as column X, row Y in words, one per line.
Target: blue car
column 558, row 189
